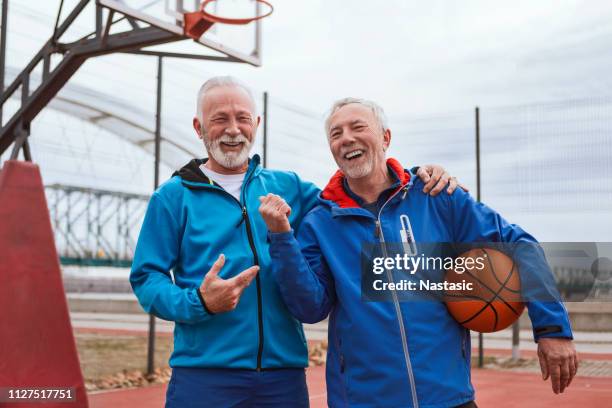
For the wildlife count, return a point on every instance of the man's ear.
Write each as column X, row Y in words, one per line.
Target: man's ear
column 197, row 126
column 386, row 139
column 258, row 120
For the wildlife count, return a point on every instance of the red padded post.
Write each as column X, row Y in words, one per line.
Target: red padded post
column 37, row 347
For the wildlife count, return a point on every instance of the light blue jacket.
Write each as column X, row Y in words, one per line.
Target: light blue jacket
column 390, row 354
column 189, row 222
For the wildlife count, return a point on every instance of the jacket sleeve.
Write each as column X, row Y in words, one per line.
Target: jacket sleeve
column 304, row 279
column 156, row 254
column 308, row 193
column 476, row 222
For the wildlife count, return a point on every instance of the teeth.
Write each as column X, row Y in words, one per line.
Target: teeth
column 353, row 154
column 231, row 143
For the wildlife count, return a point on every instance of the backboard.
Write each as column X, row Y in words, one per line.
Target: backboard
column 237, row 43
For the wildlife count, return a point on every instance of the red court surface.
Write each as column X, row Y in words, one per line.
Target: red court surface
column 494, row 388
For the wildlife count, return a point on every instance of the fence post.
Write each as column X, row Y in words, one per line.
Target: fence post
column 516, row 352
column 151, row 340
column 477, row 120
column 265, row 129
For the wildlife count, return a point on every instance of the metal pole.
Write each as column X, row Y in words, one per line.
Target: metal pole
column 516, row 352
column 151, row 344
column 265, row 129
column 3, row 50
column 477, row 154
column 480, row 335
column 257, row 30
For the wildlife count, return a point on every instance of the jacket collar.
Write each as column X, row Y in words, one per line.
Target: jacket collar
column 334, row 191
column 193, row 177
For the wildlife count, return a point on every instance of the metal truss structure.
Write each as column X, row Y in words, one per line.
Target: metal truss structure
column 95, row 227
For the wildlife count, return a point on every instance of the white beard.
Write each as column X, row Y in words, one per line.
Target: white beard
column 229, row 160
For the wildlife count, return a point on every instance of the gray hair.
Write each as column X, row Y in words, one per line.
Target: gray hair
column 377, row 110
column 216, row 82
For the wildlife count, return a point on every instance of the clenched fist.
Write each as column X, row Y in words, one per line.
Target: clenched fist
column 223, row 295
column 275, row 211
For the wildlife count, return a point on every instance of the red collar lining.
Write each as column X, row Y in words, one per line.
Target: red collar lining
column 334, row 191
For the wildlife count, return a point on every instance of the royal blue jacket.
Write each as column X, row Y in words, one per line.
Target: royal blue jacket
column 189, row 222
column 390, row 354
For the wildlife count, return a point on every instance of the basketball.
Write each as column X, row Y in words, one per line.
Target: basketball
column 493, row 302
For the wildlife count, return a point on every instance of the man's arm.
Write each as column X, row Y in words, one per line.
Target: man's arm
column 476, row 222
column 304, row 279
column 156, row 254
column 308, row 194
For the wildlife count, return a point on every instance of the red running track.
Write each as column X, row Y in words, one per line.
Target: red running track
column 499, row 389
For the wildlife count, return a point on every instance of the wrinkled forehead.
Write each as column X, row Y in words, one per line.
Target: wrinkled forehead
column 227, row 98
column 351, row 113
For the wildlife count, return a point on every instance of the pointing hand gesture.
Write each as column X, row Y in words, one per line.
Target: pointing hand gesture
column 223, row 295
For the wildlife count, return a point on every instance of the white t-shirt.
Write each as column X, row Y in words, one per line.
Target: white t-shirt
column 232, row 183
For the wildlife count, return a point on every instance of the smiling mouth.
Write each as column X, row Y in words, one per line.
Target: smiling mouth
column 232, row 144
column 354, row 154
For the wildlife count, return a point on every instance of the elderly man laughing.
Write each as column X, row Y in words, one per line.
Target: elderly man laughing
column 390, row 354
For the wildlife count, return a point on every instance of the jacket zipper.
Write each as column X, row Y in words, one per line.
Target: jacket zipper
column 247, row 222
column 245, row 216
column 398, row 311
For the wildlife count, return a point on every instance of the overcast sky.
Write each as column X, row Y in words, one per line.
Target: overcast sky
column 435, row 56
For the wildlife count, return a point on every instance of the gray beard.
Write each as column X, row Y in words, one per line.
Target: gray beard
column 358, row 171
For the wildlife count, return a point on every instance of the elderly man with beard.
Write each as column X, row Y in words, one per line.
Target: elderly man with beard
column 391, row 354
column 235, row 344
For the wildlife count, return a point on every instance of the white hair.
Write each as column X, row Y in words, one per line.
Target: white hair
column 377, row 110
column 216, row 82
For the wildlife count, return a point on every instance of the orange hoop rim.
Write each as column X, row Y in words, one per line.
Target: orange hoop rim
column 236, row 21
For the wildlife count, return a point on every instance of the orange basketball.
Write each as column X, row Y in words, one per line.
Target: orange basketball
column 493, row 300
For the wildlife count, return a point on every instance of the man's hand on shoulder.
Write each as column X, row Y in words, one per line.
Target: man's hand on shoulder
column 222, row 295
column 436, row 178
column 274, row 210
column 558, row 360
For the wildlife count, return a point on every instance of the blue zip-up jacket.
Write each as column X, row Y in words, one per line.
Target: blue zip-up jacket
column 390, row 354
column 189, row 222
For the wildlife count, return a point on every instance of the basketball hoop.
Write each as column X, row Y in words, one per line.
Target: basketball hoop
column 196, row 23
